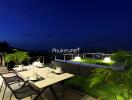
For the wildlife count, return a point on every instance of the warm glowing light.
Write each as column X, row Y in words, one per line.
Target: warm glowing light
column 77, row 58
column 107, row 59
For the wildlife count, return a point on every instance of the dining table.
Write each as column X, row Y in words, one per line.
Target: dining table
column 42, row 78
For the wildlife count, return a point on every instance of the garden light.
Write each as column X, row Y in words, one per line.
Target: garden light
column 107, row 60
column 77, row 58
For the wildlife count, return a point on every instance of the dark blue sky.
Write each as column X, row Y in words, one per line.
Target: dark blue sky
column 44, row 24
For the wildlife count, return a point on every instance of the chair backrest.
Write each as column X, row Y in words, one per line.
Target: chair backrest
column 6, row 83
column 20, row 91
column 8, row 79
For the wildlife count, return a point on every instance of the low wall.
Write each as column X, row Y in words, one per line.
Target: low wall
column 76, row 68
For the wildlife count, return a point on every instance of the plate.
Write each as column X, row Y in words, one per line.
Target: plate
column 32, row 78
column 57, row 72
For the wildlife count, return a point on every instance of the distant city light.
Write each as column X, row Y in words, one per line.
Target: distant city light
column 77, row 58
column 107, row 60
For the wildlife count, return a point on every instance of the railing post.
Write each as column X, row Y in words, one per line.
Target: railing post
column 43, row 59
column 3, row 60
column 64, row 57
column 102, row 56
column 83, row 55
column 72, row 56
column 93, row 55
column 55, row 57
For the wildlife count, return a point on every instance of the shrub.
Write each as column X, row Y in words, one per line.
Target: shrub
column 17, row 57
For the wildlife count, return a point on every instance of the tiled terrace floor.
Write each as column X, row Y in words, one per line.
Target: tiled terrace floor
column 69, row 94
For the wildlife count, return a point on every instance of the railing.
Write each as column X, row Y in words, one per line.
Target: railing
column 82, row 55
column 30, row 60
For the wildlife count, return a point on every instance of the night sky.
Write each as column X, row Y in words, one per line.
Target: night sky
column 45, row 24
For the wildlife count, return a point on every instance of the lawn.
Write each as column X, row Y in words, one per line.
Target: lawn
column 94, row 61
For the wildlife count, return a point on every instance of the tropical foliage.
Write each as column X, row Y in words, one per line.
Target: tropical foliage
column 17, row 57
column 113, row 83
column 123, row 59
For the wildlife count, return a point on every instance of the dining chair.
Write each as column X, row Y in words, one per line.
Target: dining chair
column 24, row 91
column 11, row 78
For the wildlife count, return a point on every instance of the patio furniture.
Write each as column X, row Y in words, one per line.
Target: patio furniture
column 22, row 92
column 11, row 78
column 48, row 79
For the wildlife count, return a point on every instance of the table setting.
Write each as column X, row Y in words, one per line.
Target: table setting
column 42, row 78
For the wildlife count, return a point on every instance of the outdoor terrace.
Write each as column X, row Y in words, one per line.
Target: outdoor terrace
column 69, row 93
column 83, row 80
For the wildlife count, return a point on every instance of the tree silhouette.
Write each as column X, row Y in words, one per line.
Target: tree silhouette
column 4, row 46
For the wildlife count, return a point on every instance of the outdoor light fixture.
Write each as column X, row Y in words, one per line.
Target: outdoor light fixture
column 107, row 59
column 77, row 58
